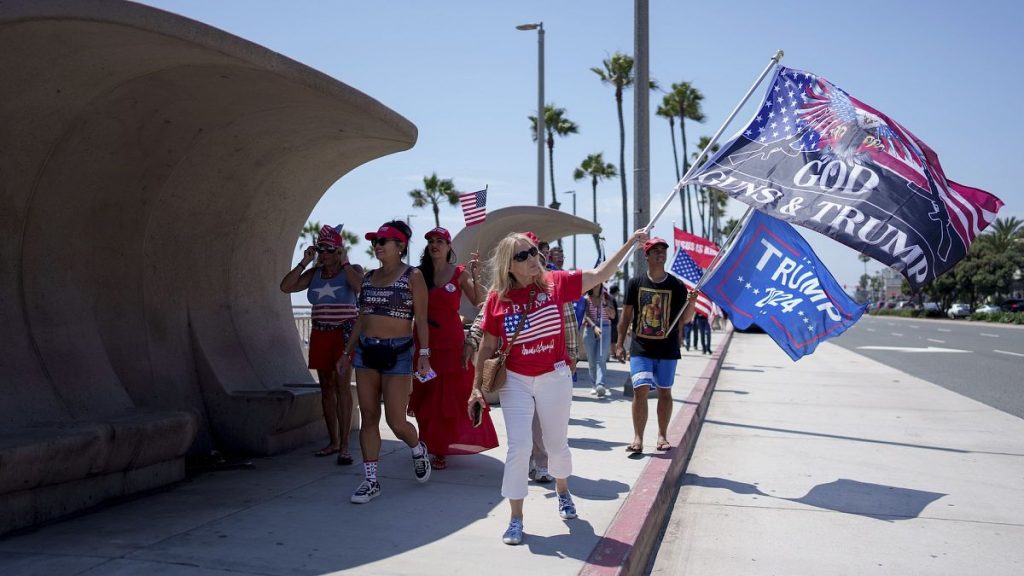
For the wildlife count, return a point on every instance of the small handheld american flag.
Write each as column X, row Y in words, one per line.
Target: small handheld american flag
column 686, row 269
column 474, row 206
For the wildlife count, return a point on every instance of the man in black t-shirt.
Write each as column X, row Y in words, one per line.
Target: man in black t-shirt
column 653, row 300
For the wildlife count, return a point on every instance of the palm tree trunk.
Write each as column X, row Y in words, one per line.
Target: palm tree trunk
column 597, row 240
column 622, row 172
column 675, row 153
column 686, row 168
column 437, row 218
column 551, row 166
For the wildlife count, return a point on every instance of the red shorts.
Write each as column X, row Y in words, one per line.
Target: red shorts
column 327, row 346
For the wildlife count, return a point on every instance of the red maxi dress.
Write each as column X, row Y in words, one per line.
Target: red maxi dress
column 439, row 404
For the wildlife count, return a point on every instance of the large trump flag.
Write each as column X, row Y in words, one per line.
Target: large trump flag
column 770, row 277
column 818, row 157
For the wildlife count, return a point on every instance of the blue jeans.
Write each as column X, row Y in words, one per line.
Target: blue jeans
column 404, row 364
column 704, row 330
column 598, row 350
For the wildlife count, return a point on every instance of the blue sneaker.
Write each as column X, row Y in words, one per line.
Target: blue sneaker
column 566, row 508
column 514, row 535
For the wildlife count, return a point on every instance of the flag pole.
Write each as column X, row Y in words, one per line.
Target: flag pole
column 773, row 61
column 716, row 261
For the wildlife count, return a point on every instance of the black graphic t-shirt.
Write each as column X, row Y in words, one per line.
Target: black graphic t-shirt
column 655, row 305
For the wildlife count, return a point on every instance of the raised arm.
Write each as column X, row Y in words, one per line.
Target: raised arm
column 296, row 280
column 607, row 269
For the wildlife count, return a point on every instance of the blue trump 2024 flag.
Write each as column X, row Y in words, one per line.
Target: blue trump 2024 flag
column 773, row 279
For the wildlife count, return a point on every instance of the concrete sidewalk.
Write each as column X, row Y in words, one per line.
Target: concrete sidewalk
column 837, row 464
column 291, row 514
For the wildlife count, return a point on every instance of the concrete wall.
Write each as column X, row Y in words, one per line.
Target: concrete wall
column 154, row 176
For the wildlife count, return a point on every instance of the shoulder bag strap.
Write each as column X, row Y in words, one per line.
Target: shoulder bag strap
column 522, row 321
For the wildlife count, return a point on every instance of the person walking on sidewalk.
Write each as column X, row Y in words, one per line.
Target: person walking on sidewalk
column 437, row 404
column 390, row 299
column 331, row 287
column 653, row 300
column 529, row 299
column 597, row 337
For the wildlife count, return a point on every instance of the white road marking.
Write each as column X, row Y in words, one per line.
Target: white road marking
column 934, row 340
column 943, row 329
column 871, row 329
column 990, row 335
column 1010, row 353
column 915, row 327
column 905, row 349
column 897, row 334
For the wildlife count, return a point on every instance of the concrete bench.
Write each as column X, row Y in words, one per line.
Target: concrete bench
column 49, row 471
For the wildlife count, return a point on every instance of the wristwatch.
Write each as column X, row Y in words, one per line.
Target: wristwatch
column 425, row 352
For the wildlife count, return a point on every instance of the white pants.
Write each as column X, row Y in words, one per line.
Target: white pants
column 551, row 395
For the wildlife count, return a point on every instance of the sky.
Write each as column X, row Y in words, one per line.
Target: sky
column 948, row 71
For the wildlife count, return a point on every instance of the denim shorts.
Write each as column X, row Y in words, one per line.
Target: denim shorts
column 653, row 372
column 404, row 364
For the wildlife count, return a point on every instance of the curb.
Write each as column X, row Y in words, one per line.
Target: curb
column 626, row 545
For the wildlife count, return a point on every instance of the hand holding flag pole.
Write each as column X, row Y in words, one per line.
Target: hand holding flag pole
column 703, row 153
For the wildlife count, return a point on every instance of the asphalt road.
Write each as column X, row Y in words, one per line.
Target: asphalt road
column 981, row 360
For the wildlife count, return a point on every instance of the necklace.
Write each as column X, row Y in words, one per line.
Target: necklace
column 664, row 275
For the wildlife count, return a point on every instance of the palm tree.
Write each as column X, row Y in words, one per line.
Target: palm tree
column 688, row 101
column 597, row 169
column 668, row 109
column 715, row 199
column 309, row 233
column 618, row 72
column 1005, row 232
column 435, row 190
column 555, row 122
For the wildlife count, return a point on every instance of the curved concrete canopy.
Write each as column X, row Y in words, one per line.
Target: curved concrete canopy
column 154, row 175
column 547, row 224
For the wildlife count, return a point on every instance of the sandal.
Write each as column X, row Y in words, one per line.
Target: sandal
column 344, row 459
column 438, row 462
column 634, row 447
column 663, row 445
column 325, row 451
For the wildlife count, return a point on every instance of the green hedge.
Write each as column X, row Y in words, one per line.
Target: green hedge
column 1000, row 317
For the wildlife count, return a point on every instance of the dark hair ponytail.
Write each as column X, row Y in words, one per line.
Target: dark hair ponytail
column 404, row 229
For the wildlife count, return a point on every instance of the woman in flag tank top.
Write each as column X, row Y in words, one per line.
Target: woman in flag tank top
column 331, row 287
column 526, row 297
column 439, row 404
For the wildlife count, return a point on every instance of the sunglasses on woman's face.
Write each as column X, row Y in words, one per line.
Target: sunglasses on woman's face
column 328, row 249
column 522, row 256
column 383, row 241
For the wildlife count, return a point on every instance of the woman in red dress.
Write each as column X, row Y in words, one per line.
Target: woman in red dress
column 439, row 404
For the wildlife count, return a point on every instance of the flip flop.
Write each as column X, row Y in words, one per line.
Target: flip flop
column 634, row 447
column 344, row 459
column 664, row 446
column 325, row 452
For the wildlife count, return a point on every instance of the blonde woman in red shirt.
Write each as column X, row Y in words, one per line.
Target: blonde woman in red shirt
column 539, row 374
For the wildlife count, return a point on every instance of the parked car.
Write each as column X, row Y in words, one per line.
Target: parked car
column 1013, row 305
column 958, row 310
column 989, row 309
column 930, row 307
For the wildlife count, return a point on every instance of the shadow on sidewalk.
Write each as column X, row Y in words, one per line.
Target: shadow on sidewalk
column 878, row 501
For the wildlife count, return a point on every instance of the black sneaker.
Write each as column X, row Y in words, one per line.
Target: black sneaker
column 367, row 491
column 421, row 464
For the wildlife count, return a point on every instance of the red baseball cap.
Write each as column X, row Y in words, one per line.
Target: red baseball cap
column 440, row 233
column 329, row 236
column 654, row 242
column 531, row 237
column 386, row 231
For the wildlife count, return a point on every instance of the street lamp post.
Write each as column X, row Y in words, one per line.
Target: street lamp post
column 539, row 27
column 573, row 192
column 408, row 222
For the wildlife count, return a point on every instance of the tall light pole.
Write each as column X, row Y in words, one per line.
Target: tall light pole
column 573, row 192
column 539, row 27
column 641, row 126
column 408, row 222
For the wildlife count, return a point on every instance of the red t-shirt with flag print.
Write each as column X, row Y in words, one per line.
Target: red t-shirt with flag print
column 541, row 342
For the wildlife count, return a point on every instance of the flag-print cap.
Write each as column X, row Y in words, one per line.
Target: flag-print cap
column 440, row 233
column 531, row 237
column 654, row 242
column 386, row 231
column 329, row 236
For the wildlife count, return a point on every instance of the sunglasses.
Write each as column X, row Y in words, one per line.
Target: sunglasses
column 383, row 241
column 522, row 256
column 328, row 249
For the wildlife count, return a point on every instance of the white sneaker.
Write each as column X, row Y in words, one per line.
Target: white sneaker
column 601, row 391
column 541, row 476
column 367, row 491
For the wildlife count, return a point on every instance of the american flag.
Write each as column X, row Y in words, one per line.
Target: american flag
column 474, row 206
column 544, row 322
column 687, row 270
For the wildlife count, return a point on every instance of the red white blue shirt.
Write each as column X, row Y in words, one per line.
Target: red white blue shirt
column 333, row 299
column 541, row 342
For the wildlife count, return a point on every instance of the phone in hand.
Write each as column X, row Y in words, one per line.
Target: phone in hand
column 430, row 375
column 478, row 414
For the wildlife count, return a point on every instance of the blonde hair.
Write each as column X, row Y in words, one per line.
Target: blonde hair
column 500, row 266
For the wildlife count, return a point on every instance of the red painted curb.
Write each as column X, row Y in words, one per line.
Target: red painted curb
column 629, row 540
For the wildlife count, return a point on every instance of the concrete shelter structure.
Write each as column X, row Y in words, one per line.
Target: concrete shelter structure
column 154, row 175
